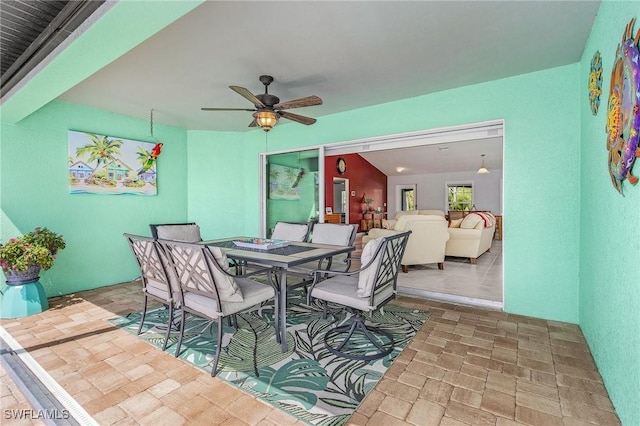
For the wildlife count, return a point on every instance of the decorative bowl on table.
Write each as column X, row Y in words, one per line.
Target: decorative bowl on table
column 261, row 243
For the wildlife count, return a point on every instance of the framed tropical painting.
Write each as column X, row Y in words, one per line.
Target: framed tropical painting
column 100, row 164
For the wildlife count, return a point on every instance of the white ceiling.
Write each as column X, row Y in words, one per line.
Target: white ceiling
column 351, row 54
column 439, row 158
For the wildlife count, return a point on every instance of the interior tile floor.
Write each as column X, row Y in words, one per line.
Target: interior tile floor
column 481, row 281
column 466, row 366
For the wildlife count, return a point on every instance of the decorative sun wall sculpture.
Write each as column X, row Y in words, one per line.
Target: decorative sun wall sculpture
column 595, row 82
column 623, row 116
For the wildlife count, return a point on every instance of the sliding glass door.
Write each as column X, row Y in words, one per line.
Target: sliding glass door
column 291, row 188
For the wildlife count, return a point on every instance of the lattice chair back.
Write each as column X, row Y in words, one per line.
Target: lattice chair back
column 193, row 271
column 158, row 279
column 387, row 263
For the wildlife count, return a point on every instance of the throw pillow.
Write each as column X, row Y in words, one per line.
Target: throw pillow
column 227, row 286
column 455, row 223
column 367, row 278
column 388, row 223
column 471, row 221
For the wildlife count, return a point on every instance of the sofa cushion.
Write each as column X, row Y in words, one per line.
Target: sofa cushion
column 471, row 221
column 367, row 277
column 432, row 212
column 405, row 213
column 401, row 224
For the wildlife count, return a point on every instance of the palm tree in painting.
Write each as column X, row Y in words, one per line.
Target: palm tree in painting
column 291, row 174
column 144, row 157
column 273, row 179
column 102, row 151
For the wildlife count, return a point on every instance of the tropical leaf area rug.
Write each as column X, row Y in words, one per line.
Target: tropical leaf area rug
column 307, row 381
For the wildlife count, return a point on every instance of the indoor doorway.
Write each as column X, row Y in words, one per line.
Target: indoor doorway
column 340, row 198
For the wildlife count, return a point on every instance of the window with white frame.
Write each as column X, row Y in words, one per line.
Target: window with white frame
column 459, row 196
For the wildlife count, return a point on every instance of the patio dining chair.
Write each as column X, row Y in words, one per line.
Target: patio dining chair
column 158, row 279
column 327, row 233
column 211, row 292
column 188, row 232
column 364, row 290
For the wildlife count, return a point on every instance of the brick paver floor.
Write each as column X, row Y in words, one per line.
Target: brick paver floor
column 466, row 366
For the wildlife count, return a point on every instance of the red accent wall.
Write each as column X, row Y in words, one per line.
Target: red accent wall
column 363, row 177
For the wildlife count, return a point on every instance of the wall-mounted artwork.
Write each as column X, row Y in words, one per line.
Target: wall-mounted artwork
column 595, row 82
column 623, row 115
column 284, row 182
column 100, row 164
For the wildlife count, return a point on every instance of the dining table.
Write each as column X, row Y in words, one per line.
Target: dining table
column 281, row 258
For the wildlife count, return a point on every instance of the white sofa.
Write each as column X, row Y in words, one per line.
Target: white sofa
column 471, row 237
column 391, row 223
column 427, row 240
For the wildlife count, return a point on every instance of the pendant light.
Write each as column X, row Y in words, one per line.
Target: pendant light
column 483, row 170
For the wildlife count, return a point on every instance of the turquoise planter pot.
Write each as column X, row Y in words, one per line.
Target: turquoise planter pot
column 23, row 296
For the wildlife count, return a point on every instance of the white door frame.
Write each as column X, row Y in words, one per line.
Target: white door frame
column 347, row 191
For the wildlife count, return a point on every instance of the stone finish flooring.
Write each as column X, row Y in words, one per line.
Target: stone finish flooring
column 466, row 366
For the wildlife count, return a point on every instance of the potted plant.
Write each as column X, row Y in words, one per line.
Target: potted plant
column 21, row 260
column 368, row 202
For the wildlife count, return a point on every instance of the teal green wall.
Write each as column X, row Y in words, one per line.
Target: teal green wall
column 564, row 258
column 610, row 233
column 542, row 147
column 223, row 195
column 35, row 192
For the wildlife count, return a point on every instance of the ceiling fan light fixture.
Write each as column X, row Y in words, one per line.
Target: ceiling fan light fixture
column 483, row 170
column 266, row 120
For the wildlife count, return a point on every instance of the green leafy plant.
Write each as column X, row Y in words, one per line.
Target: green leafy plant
column 37, row 248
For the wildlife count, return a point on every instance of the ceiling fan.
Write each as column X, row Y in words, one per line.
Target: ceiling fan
column 268, row 108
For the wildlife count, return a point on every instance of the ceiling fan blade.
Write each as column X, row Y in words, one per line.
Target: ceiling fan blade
column 298, row 118
column 247, row 95
column 253, row 124
column 299, row 103
column 226, row 109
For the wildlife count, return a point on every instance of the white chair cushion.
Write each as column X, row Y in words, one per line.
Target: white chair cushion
column 290, row 231
column 328, row 233
column 344, row 291
column 227, row 286
column 255, row 291
column 158, row 289
column 185, row 233
column 367, row 277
